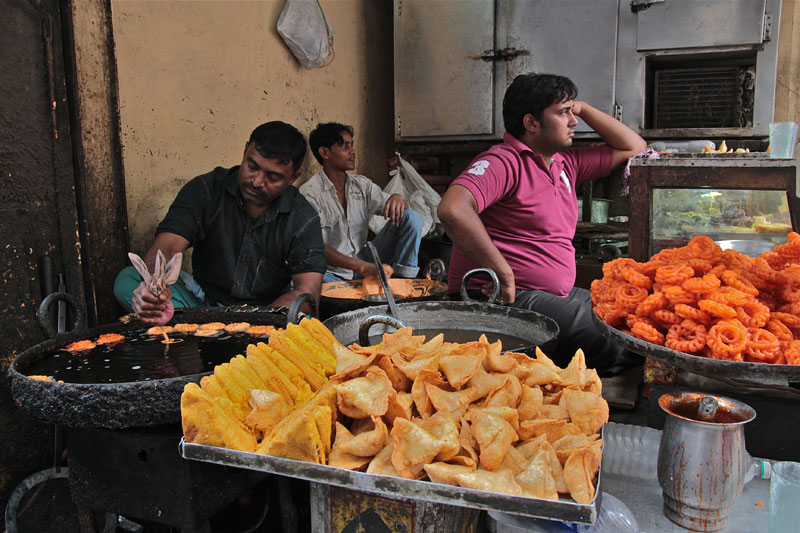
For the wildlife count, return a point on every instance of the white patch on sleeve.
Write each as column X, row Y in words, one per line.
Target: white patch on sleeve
column 566, row 180
column 479, row 167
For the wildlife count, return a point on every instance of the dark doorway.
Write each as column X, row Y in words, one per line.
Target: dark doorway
column 38, row 214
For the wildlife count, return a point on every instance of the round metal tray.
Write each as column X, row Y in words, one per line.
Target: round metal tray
column 755, row 372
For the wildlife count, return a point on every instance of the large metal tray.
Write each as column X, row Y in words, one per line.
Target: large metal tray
column 395, row 487
column 742, row 371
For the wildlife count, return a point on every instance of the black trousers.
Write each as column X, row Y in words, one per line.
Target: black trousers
column 573, row 314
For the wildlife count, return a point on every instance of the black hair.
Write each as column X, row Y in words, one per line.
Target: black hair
column 532, row 94
column 281, row 141
column 327, row 135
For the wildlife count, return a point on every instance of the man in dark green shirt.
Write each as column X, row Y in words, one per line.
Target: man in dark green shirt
column 252, row 232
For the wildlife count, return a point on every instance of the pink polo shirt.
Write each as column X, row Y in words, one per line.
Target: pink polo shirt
column 530, row 212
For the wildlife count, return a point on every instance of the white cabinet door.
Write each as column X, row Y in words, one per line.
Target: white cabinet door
column 443, row 93
column 573, row 38
column 674, row 24
column 439, row 89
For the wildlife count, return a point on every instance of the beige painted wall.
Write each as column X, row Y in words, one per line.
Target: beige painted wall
column 195, row 78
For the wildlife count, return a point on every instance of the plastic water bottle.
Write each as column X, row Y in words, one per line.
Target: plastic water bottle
column 759, row 469
column 631, row 450
column 614, row 517
column 681, row 146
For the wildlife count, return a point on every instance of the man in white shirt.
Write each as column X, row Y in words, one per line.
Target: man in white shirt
column 346, row 201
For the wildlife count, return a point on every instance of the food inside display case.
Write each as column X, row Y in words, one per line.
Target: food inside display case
column 722, row 214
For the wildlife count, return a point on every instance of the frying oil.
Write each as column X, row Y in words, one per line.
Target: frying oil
column 141, row 357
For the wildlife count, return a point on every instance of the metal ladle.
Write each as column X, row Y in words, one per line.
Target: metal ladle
column 384, row 282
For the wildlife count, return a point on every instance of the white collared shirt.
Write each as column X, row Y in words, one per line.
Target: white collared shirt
column 346, row 233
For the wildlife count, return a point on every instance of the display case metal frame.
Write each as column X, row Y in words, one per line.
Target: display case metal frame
column 702, row 171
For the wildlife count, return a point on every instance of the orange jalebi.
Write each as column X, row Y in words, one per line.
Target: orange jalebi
column 775, row 261
column 676, row 295
column 646, row 332
column 793, row 353
column 653, row 302
column 702, row 247
column 719, row 269
column 707, row 283
column 630, row 296
column 612, row 268
column 736, row 260
column 610, row 313
column 682, row 254
column 604, row 290
column 780, row 330
column 708, row 302
column 790, row 284
column 717, row 309
column 700, row 266
column 732, row 279
column 649, row 268
column 791, row 321
column 632, row 276
column 692, row 313
column 793, row 308
column 665, row 318
column 727, row 340
column 753, row 314
column 688, row 336
column 673, row 274
column 667, row 255
column 791, row 250
column 762, row 345
column 762, row 270
column 630, row 320
column 730, row 296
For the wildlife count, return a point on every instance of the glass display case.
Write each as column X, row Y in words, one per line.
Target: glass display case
column 742, row 201
column 724, row 215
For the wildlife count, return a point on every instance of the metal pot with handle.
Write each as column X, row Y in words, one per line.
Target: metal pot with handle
column 520, row 330
column 341, row 296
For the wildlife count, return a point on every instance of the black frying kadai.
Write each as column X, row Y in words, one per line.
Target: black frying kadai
column 520, row 330
column 137, row 382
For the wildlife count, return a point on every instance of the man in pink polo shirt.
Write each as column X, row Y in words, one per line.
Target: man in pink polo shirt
column 514, row 209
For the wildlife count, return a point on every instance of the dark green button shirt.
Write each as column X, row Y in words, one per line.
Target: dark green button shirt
column 238, row 260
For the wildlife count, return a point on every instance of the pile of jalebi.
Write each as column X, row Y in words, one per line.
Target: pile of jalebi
column 704, row 301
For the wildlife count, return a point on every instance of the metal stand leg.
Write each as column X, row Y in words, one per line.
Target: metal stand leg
column 288, row 511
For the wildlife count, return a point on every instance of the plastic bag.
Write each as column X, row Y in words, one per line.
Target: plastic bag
column 420, row 197
column 614, row 517
column 306, row 32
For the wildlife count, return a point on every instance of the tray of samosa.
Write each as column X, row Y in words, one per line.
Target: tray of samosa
column 454, row 423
